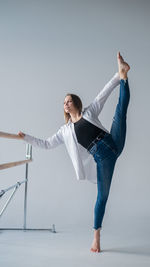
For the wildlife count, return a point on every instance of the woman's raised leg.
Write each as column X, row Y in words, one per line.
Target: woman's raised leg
column 118, row 128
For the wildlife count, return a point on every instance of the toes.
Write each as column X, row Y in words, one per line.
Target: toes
column 118, row 54
column 95, row 250
column 120, row 59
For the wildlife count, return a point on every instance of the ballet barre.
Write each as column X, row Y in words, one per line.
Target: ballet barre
column 18, row 184
column 13, row 164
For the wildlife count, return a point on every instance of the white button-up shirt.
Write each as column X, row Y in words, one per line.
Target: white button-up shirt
column 83, row 162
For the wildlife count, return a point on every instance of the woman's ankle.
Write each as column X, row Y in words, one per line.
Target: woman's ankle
column 97, row 233
column 123, row 76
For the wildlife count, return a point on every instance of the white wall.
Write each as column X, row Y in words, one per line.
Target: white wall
column 50, row 48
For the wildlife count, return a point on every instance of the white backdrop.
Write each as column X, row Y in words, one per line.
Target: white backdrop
column 50, row 48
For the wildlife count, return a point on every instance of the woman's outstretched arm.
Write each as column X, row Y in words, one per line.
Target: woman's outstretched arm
column 96, row 106
column 50, row 142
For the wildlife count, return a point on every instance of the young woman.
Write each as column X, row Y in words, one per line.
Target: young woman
column 92, row 148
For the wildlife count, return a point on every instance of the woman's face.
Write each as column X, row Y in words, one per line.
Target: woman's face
column 68, row 104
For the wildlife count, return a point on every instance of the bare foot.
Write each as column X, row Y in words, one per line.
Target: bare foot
column 123, row 66
column 95, row 245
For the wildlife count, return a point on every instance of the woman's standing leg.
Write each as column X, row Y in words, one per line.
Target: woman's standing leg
column 105, row 169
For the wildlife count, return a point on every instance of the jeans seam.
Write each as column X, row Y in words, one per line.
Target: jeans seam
column 113, row 150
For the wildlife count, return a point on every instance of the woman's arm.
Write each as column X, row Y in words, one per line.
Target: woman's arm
column 50, row 142
column 96, row 106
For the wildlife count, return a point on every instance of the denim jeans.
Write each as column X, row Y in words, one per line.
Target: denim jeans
column 107, row 150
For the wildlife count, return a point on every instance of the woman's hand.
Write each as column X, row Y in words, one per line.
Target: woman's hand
column 21, row 134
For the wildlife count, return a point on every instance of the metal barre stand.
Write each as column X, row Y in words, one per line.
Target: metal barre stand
column 17, row 185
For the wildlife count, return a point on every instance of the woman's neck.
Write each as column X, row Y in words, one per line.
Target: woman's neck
column 76, row 118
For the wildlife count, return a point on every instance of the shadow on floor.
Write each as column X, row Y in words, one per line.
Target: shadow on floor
column 143, row 250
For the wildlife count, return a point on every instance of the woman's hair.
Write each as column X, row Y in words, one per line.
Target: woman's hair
column 77, row 104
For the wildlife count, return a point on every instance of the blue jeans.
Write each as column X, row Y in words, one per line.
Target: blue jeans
column 107, row 150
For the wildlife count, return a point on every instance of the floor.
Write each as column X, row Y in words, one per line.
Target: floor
column 71, row 247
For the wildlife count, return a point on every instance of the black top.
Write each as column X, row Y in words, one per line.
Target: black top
column 86, row 132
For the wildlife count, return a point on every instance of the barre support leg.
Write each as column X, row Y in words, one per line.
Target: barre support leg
column 28, row 156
